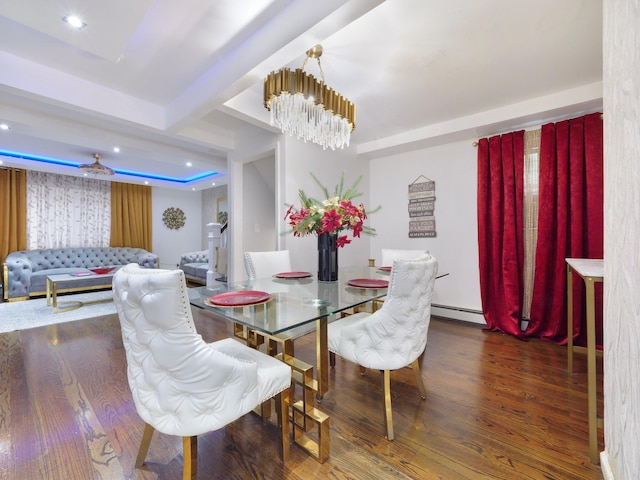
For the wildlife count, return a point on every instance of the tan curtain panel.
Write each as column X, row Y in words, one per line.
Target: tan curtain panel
column 130, row 216
column 13, row 211
column 531, row 162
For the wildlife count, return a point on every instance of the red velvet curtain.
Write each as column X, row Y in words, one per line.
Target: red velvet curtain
column 500, row 230
column 570, row 225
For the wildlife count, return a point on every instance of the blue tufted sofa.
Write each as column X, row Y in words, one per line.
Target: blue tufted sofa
column 25, row 272
column 195, row 266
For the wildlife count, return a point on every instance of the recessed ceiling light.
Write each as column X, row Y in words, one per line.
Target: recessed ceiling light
column 194, row 188
column 146, row 182
column 1, row 162
column 4, row 126
column 116, row 149
column 214, row 183
column 188, row 164
column 74, row 21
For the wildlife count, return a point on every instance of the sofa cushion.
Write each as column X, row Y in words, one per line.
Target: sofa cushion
column 197, row 258
column 191, row 268
column 201, row 270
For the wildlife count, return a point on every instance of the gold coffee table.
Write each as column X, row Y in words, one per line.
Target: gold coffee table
column 62, row 282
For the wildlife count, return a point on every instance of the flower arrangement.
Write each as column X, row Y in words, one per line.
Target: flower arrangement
column 337, row 213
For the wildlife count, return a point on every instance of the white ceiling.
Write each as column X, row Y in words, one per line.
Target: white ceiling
column 170, row 82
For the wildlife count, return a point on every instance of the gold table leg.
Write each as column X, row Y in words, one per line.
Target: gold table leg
column 54, row 296
column 592, row 409
column 48, row 296
column 569, row 318
column 591, row 370
column 305, row 417
column 322, row 356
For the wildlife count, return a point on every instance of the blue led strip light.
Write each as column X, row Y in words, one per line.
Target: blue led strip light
column 131, row 173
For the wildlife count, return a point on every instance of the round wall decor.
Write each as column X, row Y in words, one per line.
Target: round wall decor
column 174, row 218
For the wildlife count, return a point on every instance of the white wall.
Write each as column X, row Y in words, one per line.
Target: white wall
column 169, row 244
column 621, row 457
column 259, row 210
column 299, row 159
column 453, row 168
column 249, row 150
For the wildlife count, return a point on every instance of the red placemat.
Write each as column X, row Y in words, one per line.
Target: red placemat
column 102, row 270
column 238, row 299
column 385, row 269
column 293, row 275
column 368, row 283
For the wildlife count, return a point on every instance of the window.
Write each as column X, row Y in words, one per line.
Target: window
column 531, row 169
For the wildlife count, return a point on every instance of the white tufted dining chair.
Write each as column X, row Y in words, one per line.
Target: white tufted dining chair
column 259, row 265
column 390, row 254
column 266, row 264
column 395, row 336
column 180, row 384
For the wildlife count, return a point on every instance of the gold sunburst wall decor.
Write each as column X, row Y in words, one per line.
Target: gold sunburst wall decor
column 174, row 218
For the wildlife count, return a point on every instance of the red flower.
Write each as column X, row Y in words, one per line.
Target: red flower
column 336, row 214
column 348, row 208
column 331, row 221
column 357, row 229
column 288, row 212
column 342, row 241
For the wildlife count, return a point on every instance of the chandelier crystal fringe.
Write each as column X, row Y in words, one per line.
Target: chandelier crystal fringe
column 304, row 106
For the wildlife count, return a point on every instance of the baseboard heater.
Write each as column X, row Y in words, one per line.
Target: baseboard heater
column 461, row 313
column 457, row 309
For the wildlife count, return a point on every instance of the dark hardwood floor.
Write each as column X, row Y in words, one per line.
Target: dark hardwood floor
column 496, row 407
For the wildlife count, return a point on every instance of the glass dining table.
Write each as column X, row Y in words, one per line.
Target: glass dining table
column 285, row 307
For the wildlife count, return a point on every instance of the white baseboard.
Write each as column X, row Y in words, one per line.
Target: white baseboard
column 466, row 315
column 607, row 473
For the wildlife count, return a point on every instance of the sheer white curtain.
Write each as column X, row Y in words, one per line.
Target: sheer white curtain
column 531, row 162
column 66, row 211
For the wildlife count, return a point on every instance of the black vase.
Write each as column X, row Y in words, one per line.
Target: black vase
column 327, row 257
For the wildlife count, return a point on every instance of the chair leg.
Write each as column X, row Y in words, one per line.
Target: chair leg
column 144, row 444
column 386, row 380
column 190, row 458
column 419, row 380
column 332, row 359
column 282, row 410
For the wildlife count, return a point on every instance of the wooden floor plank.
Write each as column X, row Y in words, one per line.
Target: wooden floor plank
column 496, row 407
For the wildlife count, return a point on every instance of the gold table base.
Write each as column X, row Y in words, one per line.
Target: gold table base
column 303, row 414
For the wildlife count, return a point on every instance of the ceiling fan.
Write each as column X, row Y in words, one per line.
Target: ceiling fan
column 96, row 168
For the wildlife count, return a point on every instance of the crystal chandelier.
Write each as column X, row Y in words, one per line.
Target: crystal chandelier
column 303, row 106
column 96, row 168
